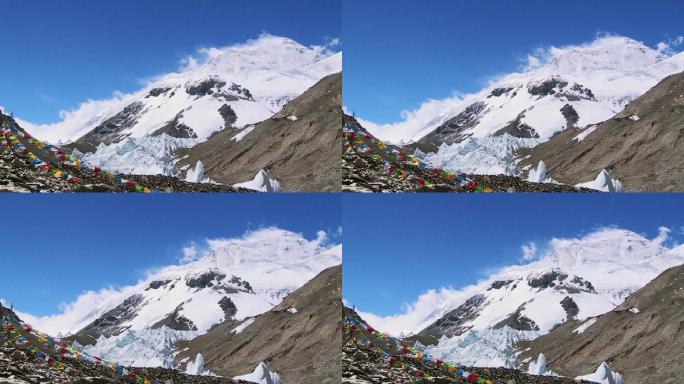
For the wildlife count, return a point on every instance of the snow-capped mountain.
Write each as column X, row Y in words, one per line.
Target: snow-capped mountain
column 233, row 279
column 577, row 279
column 595, row 81
column 573, row 86
column 228, row 88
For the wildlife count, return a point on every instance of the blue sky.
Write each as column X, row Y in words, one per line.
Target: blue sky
column 399, row 53
column 56, row 54
column 55, row 247
column 399, row 246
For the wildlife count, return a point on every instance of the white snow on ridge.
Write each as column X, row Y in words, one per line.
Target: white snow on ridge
column 242, row 326
column 586, row 132
column 583, row 327
column 244, row 132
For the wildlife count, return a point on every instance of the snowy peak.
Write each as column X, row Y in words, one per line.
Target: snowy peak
column 223, row 279
column 560, row 88
column 576, row 279
column 223, row 87
column 611, row 248
column 267, row 53
column 608, row 53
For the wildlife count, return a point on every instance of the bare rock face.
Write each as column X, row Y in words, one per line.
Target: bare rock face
column 547, row 280
column 109, row 324
column 110, row 130
column 205, row 87
column 175, row 128
column 154, row 92
column 228, row 307
column 571, row 116
column 570, row 307
column 205, row 280
column 452, row 324
column 517, row 128
column 452, row 130
column 229, row 116
column 176, row 321
column 518, row 321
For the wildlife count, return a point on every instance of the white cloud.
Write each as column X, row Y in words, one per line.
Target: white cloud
column 529, row 251
column 415, row 316
column 669, row 47
column 321, row 237
column 420, row 121
column 663, row 235
column 77, row 122
column 189, row 253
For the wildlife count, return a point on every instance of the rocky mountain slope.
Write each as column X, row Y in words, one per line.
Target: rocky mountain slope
column 298, row 146
column 299, row 338
column 370, row 165
column 371, row 357
column 578, row 279
column 641, row 146
column 641, row 338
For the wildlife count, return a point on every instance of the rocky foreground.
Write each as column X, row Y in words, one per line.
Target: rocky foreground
column 371, row 175
column 369, row 356
column 25, row 367
column 367, row 366
column 19, row 175
column 30, row 165
column 370, row 165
